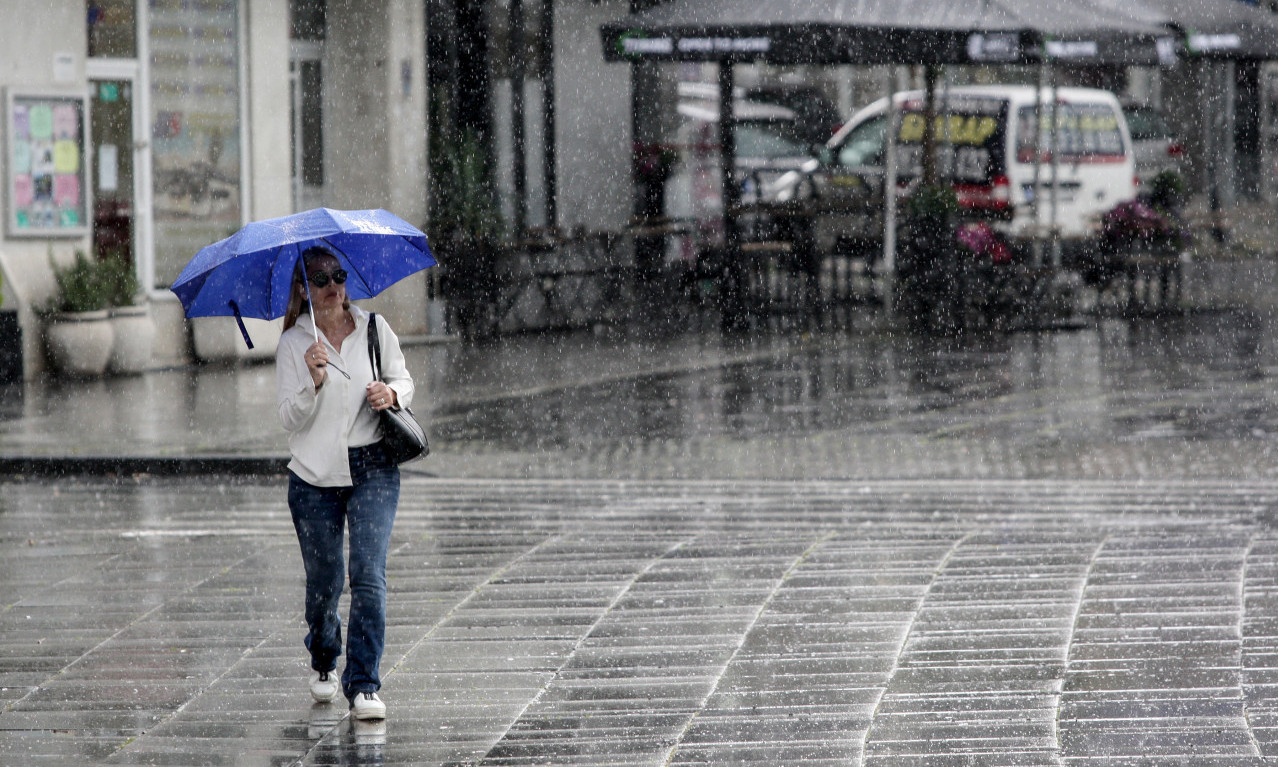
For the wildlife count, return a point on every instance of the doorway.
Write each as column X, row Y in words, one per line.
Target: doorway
column 306, row 84
column 112, row 150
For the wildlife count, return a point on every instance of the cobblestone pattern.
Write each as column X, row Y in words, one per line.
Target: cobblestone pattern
column 654, row 623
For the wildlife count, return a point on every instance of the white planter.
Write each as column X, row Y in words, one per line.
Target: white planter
column 133, row 336
column 80, row 343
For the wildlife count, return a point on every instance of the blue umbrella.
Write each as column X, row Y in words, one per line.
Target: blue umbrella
column 250, row 273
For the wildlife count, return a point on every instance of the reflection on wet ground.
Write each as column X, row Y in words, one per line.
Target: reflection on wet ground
column 1172, row 396
column 1043, row 400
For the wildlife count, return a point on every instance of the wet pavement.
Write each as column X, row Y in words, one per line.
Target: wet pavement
column 844, row 546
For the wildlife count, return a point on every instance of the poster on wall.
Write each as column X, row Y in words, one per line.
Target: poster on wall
column 47, row 189
column 195, row 128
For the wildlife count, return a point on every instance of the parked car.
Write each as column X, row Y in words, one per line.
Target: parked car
column 989, row 155
column 1155, row 146
column 818, row 117
column 769, row 144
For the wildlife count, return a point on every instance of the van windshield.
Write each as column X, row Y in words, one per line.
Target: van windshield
column 1085, row 133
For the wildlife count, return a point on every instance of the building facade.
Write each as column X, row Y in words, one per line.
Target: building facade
column 150, row 128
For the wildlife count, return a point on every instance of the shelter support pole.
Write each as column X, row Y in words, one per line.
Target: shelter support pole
column 518, row 133
column 1209, row 115
column 550, row 171
column 1052, row 228
column 1037, row 246
column 889, row 187
column 931, row 74
column 733, row 299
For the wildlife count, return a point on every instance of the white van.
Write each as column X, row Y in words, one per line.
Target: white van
column 986, row 144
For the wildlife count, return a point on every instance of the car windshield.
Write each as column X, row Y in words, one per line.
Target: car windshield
column 768, row 139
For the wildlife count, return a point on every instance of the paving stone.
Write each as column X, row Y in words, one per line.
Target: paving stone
column 796, row 630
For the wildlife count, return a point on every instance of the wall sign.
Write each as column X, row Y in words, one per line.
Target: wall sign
column 46, row 184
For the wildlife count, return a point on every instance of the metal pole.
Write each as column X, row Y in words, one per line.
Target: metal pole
column 728, row 158
column 947, row 141
column 889, row 183
column 930, row 72
column 733, row 301
column 1037, row 128
column 550, row 171
column 517, row 66
column 1056, row 172
column 1210, row 144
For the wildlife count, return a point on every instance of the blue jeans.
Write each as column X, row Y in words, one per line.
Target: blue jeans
column 319, row 515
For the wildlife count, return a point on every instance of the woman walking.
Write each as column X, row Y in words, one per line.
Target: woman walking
column 339, row 479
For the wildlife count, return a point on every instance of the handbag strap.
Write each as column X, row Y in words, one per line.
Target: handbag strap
column 374, row 347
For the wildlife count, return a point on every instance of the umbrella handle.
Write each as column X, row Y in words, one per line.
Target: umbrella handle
column 306, row 283
column 239, row 320
column 314, row 324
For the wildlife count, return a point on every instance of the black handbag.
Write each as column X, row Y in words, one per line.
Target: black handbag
column 403, row 438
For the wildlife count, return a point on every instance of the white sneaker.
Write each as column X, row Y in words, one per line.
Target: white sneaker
column 324, row 686
column 368, row 706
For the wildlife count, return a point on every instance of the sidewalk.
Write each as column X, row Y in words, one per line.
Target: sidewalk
column 221, row 418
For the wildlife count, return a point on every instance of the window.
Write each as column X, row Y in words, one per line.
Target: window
column 1082, row 131
column 112, row 27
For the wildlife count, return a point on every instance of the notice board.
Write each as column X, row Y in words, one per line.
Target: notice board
column 46, row 185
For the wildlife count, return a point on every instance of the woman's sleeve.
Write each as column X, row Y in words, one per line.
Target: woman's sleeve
column 394, row 368
column 295, row 393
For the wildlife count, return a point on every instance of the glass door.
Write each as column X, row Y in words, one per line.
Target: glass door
column 306, row 84
column 112, row 141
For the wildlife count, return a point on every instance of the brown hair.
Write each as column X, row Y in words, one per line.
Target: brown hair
column 297, row 303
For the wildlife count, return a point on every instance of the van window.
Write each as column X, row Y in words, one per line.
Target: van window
column 1085, row 132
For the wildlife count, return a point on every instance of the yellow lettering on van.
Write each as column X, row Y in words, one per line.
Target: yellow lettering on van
column 950, row 129
column 984, row 128
column 912, row 126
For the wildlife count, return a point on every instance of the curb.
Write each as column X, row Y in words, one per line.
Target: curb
column 106, row 466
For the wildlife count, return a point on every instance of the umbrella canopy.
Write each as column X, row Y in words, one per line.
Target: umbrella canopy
column 250, row 273
column 889, row 31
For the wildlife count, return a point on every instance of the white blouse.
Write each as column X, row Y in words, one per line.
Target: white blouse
column 323, row 425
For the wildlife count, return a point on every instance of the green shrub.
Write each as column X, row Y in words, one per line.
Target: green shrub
column 119, row 279
column 932, row 201
column 82, row 287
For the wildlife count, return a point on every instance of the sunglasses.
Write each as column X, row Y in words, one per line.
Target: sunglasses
column 320, row 279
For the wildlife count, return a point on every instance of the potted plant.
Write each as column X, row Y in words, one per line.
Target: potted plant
column 77, row 326
column 132, row 328
column 926, row 264
column 1133, row 231
column 10, row 343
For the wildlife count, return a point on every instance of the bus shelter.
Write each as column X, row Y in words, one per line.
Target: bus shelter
column 931, row 33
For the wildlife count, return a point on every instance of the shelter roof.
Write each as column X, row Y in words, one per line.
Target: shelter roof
column 888, row 31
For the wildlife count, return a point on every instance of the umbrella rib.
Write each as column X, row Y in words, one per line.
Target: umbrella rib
column 349, row 263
